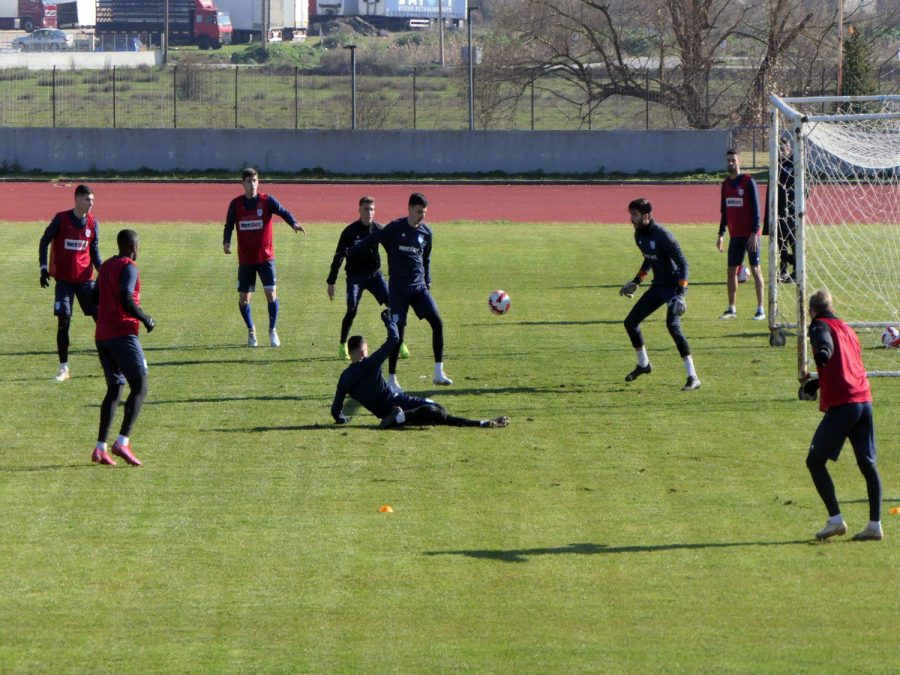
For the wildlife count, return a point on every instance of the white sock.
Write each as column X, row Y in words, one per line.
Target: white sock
column 123, row 441
column 392, row 378
column 834, row 520
column 689, row 366
column 101, row 445
column 759, row 308
column 875, row 524
column 401, row 417
column 438, row 367
column 64, row 365
column 643, row 359
column 732, row 308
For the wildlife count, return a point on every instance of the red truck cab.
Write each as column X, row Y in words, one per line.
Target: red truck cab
column 212, row 27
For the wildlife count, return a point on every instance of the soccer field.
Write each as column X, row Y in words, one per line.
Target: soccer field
column 611, row 527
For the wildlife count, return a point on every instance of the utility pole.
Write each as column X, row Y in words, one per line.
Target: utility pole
column 352, row 49
column 165, row 36
column 471, row 71
column 264, row 32
column 441, row 29
column 840, row 63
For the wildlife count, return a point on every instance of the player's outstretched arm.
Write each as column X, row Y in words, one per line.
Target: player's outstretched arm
column 337, row 405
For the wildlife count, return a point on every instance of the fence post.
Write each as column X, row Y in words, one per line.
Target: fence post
column 114, row 95
column 647, row 100
column 296, row 97
column 532, row 102
column 415, row 99
column 175, row 97
column 53, row 95
column 236, row 97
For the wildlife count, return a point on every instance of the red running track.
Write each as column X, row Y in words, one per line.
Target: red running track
column 337, row 203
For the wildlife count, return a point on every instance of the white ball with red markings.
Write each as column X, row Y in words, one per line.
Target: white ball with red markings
column 890, row 338
column 499, row 302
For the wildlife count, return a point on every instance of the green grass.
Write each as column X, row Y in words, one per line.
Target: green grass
column 611, row 527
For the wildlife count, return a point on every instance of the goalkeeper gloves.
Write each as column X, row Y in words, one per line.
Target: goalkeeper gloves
column 45, row 278
column 677, row 305
column 809, row 390
column 629, row 289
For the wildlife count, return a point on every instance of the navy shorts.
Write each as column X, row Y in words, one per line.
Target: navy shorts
column 408, row 402
column 247, row 276
column 737, row 246
column 417, row 297
column 121, row 357
column 65, row 292
column 851, row 421
column 374, row 283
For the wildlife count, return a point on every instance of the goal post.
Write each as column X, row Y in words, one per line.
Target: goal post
column 833, row 209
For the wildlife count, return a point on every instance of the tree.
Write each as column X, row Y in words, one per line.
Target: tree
column 859, row 80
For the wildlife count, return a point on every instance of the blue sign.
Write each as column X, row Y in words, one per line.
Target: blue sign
column 426, row 9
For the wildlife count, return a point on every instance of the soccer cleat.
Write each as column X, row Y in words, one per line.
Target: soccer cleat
column 395, row 387
column 390, row 420
column 869, row 534
column 691, row 384
column 760, row 315
column 637, row 372
column 728, row 314
column 124, row 451
column 831, row 530
column 62, row 375
column 442, row 379
column 404, row 352
column 343, row 353
column 273, row 338
column 102, row 457
column 498, row 422
column 251, row 338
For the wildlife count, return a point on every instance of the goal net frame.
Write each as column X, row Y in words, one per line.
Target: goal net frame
column 790, row 117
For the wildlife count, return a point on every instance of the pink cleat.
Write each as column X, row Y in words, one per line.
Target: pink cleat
column 102, row 457
column 124, row 451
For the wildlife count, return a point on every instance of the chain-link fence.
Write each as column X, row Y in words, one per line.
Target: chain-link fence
column 191, row 96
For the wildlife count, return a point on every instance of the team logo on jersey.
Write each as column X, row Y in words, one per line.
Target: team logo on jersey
column 741, row 191
column 421, row 239
column 245, row 225
column 76, row 245
column 87, row 232
column 653, row 245
column 734, row 202
column 259, row 212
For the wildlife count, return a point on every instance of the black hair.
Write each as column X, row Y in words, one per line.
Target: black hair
column 355, row 342
column 83, row 190
column 125, row 239
column 249, row 172
column 640, row 205
column 417, row 199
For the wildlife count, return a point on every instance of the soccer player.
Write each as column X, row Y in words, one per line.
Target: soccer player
column 362, row 381
column 663, row 255
column 740, row 213
column 252, row 214
column 363, row 271
column 408, row 244
column 74, row 253
column 846, row 400
column 787, row 244
column 119, row 317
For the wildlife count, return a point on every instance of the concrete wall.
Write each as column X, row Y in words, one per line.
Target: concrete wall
column 362, row 152
column 79, row 60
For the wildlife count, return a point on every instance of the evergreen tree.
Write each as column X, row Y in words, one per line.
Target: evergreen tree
column 859, row 80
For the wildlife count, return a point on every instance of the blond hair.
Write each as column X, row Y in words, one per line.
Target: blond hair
column 821, row 301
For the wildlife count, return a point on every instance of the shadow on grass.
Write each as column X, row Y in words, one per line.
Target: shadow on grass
column 291, row 427
column 523, row 554
column 508, row 324
column 45, row 467
column 231, row 399
column 616, row 287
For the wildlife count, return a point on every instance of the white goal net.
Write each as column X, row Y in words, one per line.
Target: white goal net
column 834, row 218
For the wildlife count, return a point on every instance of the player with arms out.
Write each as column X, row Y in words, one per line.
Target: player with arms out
column 740, row 214
column 119, row 317
column 252, row 214
column 663, row 255
column 846, row 400
column 363, row 271
column 363, row 382
column 408, row 243
column 74, row 253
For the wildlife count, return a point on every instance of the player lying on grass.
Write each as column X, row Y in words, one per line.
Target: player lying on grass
column 363, row 382
column 846, row 401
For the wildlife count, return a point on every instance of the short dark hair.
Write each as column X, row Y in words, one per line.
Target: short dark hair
column 126, row 238
column 366, row 200
column 355, row 342
column 640, row 205
column 249, row 172
column 83, row 190
column 417, row 199
column 732, row 151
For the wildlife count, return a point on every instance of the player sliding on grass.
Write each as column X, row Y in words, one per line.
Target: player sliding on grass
column 74, row 252
column 363, row 382
column 663, row 255
column 408, row 244
column 252, row 214
column 846, row 401
column 119, row 316
column 363, row 271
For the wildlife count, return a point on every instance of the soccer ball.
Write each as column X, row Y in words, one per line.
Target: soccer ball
column 890, row 338
column 499, row 302
column 743, row 274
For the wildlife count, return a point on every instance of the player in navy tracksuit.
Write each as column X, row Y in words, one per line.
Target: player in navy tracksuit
column 74, row 253
column 663, row 255
column 252, row 214
column 362, row 381
column 846, row 400
column 408, row 244
column 363, row 270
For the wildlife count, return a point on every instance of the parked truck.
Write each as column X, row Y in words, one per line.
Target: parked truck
column 191, row 22
column 287, row 19
column 27, row 14
column 390, row 14
column 76, row 14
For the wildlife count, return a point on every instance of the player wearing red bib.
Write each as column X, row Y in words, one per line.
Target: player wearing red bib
column 119, row 316
column 74, row 253
column 252, row 214
column 740, row 214
column 846, row 401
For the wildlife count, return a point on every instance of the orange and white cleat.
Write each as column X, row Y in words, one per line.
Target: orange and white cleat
column 102, row 457
column 124, row 451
